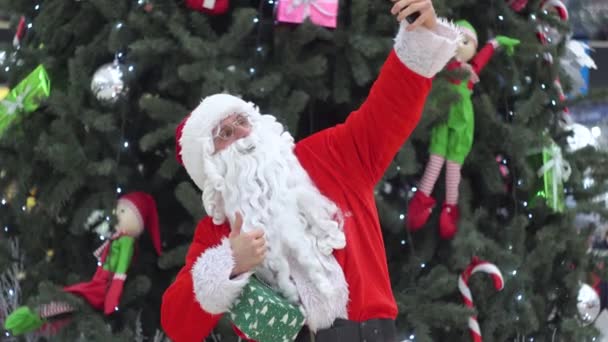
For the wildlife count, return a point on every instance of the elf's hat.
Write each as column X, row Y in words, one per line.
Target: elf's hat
column 144, row 206
column 467, row 29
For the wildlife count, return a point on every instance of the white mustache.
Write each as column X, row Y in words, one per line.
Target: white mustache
column 245, row 146
column 246, row 150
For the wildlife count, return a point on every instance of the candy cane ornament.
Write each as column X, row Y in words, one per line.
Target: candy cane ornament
column 475, row 266
column 19, row 33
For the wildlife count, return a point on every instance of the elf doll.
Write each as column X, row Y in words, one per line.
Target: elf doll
column 451, row 141
column 135, row 213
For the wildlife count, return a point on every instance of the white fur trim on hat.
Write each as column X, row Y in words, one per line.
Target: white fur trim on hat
column 197, row 137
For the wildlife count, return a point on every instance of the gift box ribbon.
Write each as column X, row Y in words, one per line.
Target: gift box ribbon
column 559, row 167
column 320, row 12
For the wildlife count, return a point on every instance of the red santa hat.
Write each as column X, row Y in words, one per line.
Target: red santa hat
column 559, row 7
column 144, row 206
column 194, row 135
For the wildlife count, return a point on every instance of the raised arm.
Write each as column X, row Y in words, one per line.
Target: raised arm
column 203, row 289
column 373, row 134
column 483, row 56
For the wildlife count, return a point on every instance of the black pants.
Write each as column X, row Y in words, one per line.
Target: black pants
column 603, row 294
column 375, row 330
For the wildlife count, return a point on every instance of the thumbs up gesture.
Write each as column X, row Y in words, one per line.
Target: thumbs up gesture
column 248, row 248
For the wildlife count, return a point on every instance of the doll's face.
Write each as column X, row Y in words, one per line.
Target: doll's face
column 128, row 220
column 466, row 50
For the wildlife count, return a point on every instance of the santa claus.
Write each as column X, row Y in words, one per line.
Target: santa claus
column 302, row 216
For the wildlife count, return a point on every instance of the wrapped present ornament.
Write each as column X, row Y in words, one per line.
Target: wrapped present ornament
column 213, row 7
column 517, row 5
column 552, row 171
column 320, row 12
column 25, row 96
column 263, row 315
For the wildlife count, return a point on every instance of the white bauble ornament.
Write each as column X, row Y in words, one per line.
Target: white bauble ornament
column 108, row 83
column 588, row 304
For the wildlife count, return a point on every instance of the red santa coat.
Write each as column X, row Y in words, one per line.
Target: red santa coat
column 345, row 162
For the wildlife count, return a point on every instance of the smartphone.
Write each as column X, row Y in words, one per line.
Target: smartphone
column 412, row 17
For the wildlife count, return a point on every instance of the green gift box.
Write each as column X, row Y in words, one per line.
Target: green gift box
column 552, row 171
column 264, row 315
column 25, row 96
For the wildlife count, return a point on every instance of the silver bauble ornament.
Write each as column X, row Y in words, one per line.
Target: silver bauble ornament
column 588, row 304
column 108, row 83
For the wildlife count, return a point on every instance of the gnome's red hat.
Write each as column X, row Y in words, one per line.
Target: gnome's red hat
column 145, row 207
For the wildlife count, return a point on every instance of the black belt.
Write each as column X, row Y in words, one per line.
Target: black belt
column 373, row 330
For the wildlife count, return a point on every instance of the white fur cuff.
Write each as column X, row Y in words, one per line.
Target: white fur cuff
column 213, row 288
column 424, row 51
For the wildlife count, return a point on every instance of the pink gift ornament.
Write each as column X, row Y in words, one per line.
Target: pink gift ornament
column 320, row 12
column 517, row 5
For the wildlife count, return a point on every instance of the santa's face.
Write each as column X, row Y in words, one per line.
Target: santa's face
column 231, row 129
column 253, row 164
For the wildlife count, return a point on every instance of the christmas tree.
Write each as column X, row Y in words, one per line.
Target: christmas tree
column 97, row 121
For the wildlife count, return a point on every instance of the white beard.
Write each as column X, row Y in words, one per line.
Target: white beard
column 260, row 177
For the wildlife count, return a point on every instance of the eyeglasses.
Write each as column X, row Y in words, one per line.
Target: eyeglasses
column 227, row 131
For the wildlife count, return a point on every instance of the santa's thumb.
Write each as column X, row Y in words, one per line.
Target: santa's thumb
column 235, row 228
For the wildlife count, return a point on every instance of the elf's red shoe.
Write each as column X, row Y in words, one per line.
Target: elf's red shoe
column 419, row 210
column 448, row 221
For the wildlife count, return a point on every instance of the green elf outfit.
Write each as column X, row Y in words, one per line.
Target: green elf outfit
column 104, row 290
column 452, row 140
column 114, row 259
